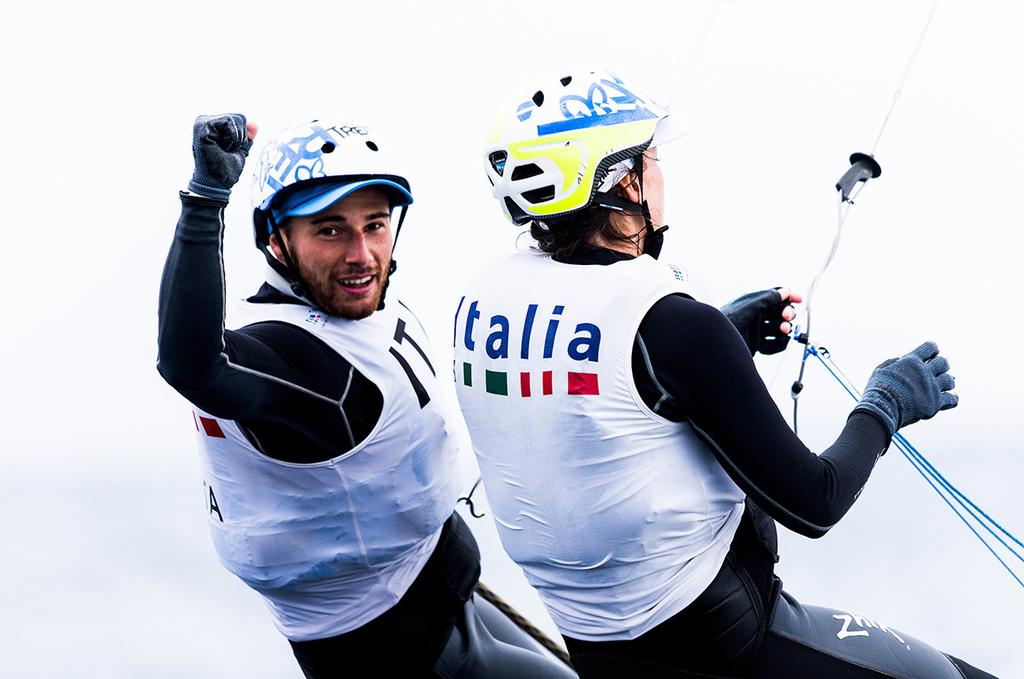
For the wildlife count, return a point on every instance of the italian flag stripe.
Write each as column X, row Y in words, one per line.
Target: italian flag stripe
column 524, row 384
column 211, row 427
column 583, row 384
column 496, row 382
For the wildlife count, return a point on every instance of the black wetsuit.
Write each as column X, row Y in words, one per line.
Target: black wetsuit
column 689, row 363
column 284, row 388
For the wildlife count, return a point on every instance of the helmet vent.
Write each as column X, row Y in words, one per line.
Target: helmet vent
column 540, row 195
column 373, row 147
column 497, row 160
column 526, row 171
column 538, row 98
column 327, row 147
column 565, row 81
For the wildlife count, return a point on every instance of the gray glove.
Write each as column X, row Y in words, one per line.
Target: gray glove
column 903, row 390
column 219, row 147
column 757, row 317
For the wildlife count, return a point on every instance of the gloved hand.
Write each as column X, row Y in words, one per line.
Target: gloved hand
column 219, row 146
column 903, row 390
column 758, row 317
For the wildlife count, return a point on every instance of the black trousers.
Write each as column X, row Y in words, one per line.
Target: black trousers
column 744, row 625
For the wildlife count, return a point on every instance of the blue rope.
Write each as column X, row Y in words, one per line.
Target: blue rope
column 1013, row 575
column 909, row 451
column 965, row 521
column 926, row 469
column 956, row 491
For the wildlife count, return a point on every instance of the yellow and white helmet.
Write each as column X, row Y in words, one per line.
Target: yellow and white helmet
column 572, row 138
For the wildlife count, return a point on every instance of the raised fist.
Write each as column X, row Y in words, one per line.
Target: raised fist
column 220, row 144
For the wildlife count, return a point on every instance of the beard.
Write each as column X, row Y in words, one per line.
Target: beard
column 330, row 296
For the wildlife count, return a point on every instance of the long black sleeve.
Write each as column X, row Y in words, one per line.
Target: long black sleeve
column 285, row 387
column 692, row 353
column 190, row 314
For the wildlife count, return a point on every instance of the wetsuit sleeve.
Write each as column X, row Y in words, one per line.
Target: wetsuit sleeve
column 295, row 397
column 701, row 362
column 194, row 351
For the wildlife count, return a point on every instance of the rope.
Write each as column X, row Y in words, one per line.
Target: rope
column 468, row 499
column 522, row 623
column 685, row 71
column 939, row 483
column 844, row 210
column 906, row 75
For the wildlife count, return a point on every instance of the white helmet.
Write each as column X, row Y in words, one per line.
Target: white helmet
column 573, row 137
column 294, row 168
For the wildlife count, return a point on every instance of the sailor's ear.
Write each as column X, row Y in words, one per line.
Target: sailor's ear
column 629, row 187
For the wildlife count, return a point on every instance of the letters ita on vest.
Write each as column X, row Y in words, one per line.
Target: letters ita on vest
column 619, row 517
column 332, row 545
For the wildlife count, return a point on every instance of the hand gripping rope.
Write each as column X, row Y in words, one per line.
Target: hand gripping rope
column 863, row 167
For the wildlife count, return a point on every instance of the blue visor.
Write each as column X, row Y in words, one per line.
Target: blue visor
column 305, row 202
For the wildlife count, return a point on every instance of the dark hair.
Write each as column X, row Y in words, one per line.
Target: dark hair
column 563, row 236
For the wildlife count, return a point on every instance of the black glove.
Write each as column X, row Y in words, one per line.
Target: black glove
column 757, row 316
column 911, row 388
column 219, row 147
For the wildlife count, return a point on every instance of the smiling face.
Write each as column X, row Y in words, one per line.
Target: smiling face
column 343, row 253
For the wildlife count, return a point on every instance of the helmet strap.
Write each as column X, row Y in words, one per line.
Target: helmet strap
column 394, row 265
column 655, row 238
column 288, row 269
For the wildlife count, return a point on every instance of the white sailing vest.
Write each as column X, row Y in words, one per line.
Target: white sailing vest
column 618, row 517
column 334, row 544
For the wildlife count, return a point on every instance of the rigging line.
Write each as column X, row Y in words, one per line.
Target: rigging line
column 906, row 75
column 846, row 377
column 512, row 614
column 844, row 208
column 868, row 168
column 833, row 368
column 926, row 469
column 693, row 54
column 468, row 499
column 966, row 522
column 960, row 495
column 900, row 439
column 916, row 458
column 843, row 211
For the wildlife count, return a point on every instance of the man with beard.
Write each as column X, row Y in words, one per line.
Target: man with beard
column 328, row 466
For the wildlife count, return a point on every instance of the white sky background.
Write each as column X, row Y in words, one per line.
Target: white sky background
column 107, row 569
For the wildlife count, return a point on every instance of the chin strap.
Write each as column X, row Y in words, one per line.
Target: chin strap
column 287, row 269
column 655, row 237
column 290, row 272
column 387, row 281
column 394, row 264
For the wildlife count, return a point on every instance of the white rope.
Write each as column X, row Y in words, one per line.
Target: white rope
column 906, row 76
column 693, row 54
